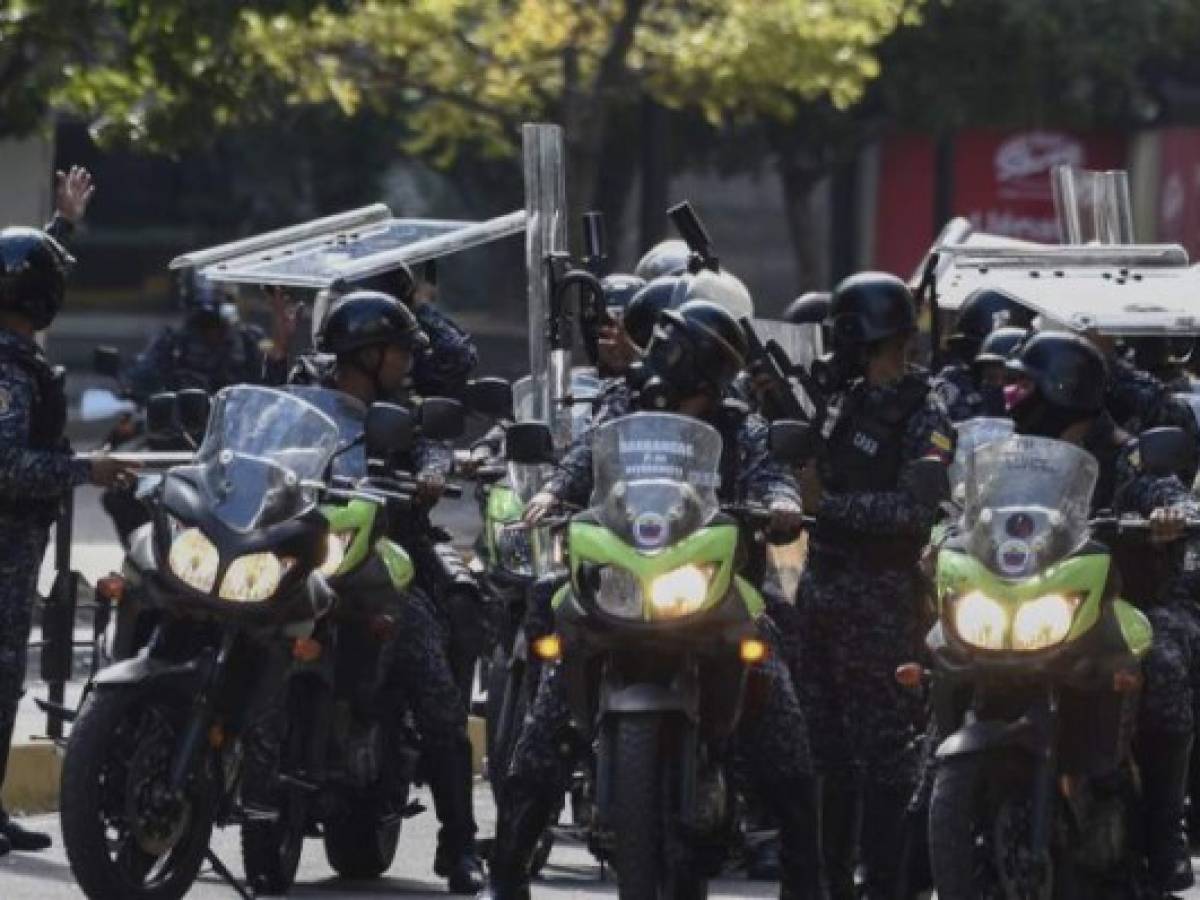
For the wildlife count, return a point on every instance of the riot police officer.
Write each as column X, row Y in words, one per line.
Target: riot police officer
column 981, row 313
column 990, row 367
column 370, row 342
column 858, row 611
column 211, row 350
column 36, row 463
column 776, row 739
column 1166, row 358
column 616, row 351
column 1060, row 393
column 444, row 370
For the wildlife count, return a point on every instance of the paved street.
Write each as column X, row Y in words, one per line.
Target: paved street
column 571, row 873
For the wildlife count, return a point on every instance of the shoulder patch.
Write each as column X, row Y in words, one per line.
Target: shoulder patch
column 6, row 403
column 941, row 441
column 1135, row 458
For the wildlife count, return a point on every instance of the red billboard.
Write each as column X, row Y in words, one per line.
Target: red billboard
column 1179, row 188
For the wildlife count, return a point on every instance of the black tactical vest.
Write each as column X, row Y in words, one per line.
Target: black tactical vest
column 48, row 421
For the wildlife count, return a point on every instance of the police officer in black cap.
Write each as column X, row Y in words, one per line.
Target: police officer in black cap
column 1060, row 392
column 37, row 465
column 858, row 607
column 693, row 357
column 369, row 343
column 982, row 312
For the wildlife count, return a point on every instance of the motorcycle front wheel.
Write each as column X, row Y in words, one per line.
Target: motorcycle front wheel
column 641, row 803
column 127, row 835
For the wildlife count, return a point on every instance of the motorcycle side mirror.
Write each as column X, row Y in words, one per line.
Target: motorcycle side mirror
column 529, row 443
column 106, row 361
column 1167, row 451
column 162, row 414
column 491, row 397
column 929, row 481
column 441, row 418
column 194, row 405
column 792, row 442
column 389, row 429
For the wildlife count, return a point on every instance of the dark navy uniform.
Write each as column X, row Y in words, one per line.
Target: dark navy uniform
column 181, row 358
column 858, row 617
column 37, row 468
column 443, row 371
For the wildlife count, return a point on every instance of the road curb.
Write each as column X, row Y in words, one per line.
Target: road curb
column 34, row 773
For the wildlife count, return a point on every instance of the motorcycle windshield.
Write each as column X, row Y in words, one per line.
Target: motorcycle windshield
column 655, row 477
column 260, row 446
column 585, row 385
column 350, row 416
column 1027, row 503
column 973, row 433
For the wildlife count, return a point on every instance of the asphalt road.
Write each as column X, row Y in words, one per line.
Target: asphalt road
column 571, row 873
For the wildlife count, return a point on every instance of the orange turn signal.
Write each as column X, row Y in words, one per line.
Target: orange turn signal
column 216, row 736
column 548, row 648
column 910, row 675
column 753, row 651
column 306, row 650
column 111, row 588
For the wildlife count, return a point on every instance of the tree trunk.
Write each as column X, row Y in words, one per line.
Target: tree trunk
column 799, row 181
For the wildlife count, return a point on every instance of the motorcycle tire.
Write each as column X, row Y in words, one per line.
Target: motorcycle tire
column 125, row 733
column 358, row 847
column 639, row 801
column 959, row 808
column 271, row 851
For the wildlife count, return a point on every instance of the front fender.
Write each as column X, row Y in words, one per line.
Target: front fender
column 1032, row 732
column 681, row 695
column 143, row 669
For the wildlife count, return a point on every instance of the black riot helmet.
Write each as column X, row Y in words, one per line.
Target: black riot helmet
column 620, row 289
column 869, row 307
column 808, row 309
column 1154, row 354
column 1068, row 376
column 1000, row 345
column 367, row 319
column 983, row 312
column 33, row 274
column 397, row 282
column 664, row 258
column 697, row 348
column 641, row 315
column 202, row 296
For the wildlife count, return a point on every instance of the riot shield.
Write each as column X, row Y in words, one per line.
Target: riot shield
column 546, row 233
column 1092, row 207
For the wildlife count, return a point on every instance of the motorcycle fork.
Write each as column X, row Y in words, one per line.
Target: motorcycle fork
column 196, row 730
column 1045, row 721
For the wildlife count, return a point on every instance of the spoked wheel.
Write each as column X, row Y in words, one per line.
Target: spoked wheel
column 980, row 837
column 127, row 834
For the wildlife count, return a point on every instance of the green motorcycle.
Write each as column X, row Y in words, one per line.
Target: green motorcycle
column 656, row 632
column 1036, row 663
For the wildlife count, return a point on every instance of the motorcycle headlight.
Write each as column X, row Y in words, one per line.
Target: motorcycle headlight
column 620, row 593
column 981, row 621
column 1043, row 622
column 679, row 592
column 337, row 545
column 194, row 559
column 513, row 550
column 253, row 577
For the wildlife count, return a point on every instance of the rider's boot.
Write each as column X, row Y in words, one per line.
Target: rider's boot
column 450, row 783
column 1163, row 760
column 800, row 843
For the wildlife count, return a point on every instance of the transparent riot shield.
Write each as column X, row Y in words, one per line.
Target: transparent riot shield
column 801, row 343
column 1092, row 207
column 545, row 233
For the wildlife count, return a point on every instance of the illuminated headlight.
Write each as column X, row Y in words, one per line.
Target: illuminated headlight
column 1043, row 622
column 194, row 559
column 620, row 593
column 253, row 577
column 981, row 621
column 679, row 592
column 513, row 550
column 337, row 545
